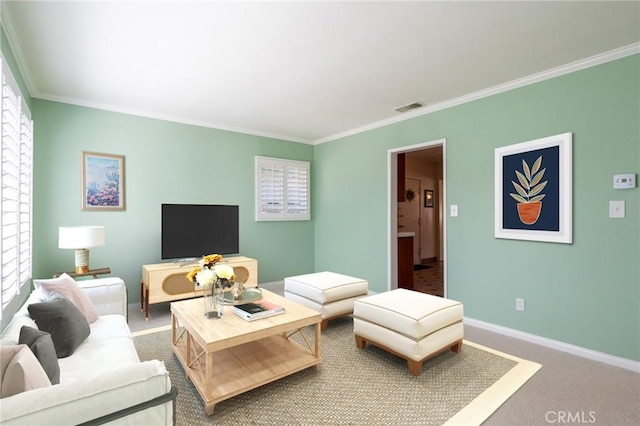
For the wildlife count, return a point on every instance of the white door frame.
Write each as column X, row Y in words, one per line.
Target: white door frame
column 392, row 208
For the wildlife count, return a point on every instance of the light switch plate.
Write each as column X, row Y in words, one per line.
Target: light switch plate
column 616, row 209
column 454, row 210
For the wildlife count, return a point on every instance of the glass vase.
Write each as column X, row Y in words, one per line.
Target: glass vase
column 213, row 306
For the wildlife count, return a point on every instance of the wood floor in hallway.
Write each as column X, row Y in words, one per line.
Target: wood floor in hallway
column 430, row 280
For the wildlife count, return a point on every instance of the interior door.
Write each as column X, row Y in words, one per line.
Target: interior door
column 409, row 215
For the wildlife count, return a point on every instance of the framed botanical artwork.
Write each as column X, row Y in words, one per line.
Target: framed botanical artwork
column 102, row 181
column 428, row 198
column 533, row 190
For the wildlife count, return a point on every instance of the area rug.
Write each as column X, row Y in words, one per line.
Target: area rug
column 357, row 387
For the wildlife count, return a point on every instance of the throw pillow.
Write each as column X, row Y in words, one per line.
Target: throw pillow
column 68, row 288
column 42, row 347
column 66, row 324
column 20, row 371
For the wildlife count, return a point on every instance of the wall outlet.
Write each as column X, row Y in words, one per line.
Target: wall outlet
column 519, row 304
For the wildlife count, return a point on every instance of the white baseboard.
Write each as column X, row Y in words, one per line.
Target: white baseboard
column 616, row 361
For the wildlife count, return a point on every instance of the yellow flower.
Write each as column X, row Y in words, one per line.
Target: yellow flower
column 210, row 259
column 191, row 276
column 208, row 271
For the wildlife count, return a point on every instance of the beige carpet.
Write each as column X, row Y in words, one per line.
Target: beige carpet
column 358, row 387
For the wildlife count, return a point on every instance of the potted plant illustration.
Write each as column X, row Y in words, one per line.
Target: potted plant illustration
column 529, row 196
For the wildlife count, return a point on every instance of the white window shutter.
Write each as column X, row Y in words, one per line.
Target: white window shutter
column 26, row 198
column 298, row 190
column 270, row 181
column 15, row 190
column 282, row 189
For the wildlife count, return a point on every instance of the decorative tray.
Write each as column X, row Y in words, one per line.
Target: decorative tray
column 251, row 294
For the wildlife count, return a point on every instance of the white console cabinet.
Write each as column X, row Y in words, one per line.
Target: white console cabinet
column 166, row 282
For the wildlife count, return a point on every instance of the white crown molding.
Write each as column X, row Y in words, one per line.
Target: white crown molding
column 612, row 55
column 602, row 58
column 616, row 361
column 7, row 24
column 153, row 115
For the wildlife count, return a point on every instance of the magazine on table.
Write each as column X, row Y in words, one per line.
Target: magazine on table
column 257, row 310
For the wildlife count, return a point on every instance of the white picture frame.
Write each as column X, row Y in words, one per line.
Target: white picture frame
column 533, row 190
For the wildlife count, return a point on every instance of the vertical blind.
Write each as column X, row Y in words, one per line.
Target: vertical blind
column 282, row 189
column 16, row 185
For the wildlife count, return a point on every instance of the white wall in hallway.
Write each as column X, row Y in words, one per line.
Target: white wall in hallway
column 429, row 170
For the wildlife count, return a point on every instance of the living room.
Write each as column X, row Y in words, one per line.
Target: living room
column 583, row 296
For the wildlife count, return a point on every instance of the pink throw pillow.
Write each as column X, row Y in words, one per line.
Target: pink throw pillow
column 68, row 288
column 20, row 371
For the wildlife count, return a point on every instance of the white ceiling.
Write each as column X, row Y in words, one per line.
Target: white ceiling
column 301, row 71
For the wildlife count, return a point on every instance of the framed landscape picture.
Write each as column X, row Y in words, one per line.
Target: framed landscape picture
column 102, row 181
column 533, row 190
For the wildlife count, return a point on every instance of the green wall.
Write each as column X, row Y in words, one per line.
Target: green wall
column 164, row 162
column 586, row 293
column 7, row 55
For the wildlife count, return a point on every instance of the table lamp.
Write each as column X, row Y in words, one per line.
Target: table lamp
column 80, row 238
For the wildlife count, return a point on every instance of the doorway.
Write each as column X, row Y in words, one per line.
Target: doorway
column 425, row 174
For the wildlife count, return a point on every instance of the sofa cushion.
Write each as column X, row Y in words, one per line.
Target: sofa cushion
column 20, row 371
column 85, row 400
column 67, row 287
column 66, row 324
column 109, row 346
column 109, row 327
column 42, row 347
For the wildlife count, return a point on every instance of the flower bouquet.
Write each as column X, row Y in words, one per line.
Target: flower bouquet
column 213, row 277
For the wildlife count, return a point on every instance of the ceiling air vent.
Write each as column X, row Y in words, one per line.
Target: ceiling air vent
column 411, row 106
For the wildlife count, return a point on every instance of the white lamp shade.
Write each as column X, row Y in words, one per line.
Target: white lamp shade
column 76, row 237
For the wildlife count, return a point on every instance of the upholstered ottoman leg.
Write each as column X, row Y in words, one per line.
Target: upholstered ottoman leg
column 360, row 342
column 324, row 324
column 415, row 367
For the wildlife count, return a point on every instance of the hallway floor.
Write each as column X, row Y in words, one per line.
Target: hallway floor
column 430, row 280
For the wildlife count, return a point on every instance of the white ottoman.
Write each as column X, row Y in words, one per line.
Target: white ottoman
column 412, row 325
column 329, row 293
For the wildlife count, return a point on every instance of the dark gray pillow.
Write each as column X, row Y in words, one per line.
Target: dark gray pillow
column 42, row 347
column 66, row 324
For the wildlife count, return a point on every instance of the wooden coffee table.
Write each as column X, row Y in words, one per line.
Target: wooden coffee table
column 228, row 356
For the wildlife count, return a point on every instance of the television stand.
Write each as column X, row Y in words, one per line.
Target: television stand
column 167, row 282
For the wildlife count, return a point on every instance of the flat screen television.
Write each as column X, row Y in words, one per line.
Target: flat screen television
column 194, row 230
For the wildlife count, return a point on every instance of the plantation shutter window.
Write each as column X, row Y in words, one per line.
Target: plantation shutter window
column 15, row 190
column 25, row 197
column 282, row 189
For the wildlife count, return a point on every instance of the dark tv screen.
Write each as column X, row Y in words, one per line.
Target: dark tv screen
column 194, row 230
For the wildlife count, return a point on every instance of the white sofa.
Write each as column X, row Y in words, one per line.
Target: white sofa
column 103, row 381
